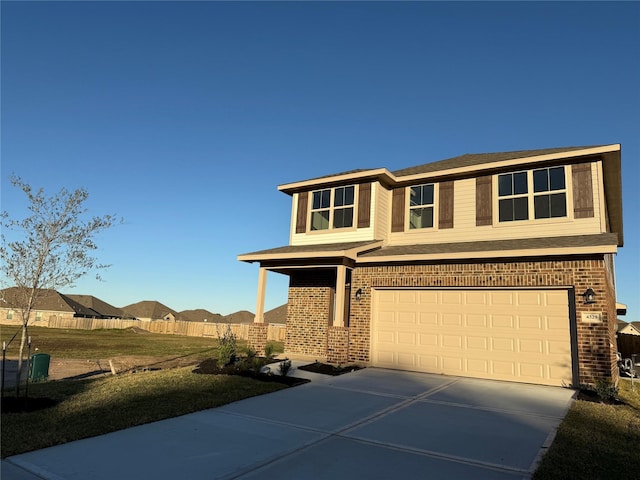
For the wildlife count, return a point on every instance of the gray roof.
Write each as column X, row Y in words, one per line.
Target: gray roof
column 47, row 300
column 148, row 309
column 470, row 159
column 101, row 307
column 325, row 247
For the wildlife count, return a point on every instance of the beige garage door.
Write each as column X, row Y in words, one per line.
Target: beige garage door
column 516, row 335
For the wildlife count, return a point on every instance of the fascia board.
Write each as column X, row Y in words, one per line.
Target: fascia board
column 534, row 252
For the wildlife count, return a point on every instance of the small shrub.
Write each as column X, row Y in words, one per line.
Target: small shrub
column 269, row 350
column 250, row 352
column 606, row 391
column 284, row 367
column 227, row 348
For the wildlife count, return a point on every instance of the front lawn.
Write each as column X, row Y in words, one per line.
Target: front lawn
column 93, row 407
column 597, row 441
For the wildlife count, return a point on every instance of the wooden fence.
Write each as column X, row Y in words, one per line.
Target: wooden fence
column 276, row 332
column 628, row 345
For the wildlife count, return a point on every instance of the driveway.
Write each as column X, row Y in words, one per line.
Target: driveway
column 372, row 423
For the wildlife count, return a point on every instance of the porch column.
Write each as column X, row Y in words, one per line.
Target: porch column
column 341, row 278
column 262, row 287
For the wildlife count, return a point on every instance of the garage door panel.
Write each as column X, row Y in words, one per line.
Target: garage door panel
column 452, row 319
column 506, row 335
column 498, row 321
column 530, row 321
column 476, row 320
column 428, row 318
column 477, row 343
column 478, row 366
column 503, row 344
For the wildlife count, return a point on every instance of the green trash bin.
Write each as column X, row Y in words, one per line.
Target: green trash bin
column 39, row 367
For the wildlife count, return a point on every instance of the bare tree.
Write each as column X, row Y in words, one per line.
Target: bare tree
column 49, row 249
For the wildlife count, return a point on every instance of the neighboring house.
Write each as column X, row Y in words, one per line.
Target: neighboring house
column 631, row 328
column 200, row 315
column 495, row 265
column 102, row 308
column 50, row 305
column 150, row 310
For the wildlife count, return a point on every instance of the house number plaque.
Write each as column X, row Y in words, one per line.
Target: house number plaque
column 592, row 317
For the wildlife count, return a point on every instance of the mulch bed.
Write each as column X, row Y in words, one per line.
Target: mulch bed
column 591, row 396
column 326, row 369
column 210, row 367
column 21, row 404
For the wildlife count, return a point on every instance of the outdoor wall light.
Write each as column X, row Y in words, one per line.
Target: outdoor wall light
column 358, row 294
column 589, row 296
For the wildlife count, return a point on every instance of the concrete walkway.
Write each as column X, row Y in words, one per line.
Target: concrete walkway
column 372, row 423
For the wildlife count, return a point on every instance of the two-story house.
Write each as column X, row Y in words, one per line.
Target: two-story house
column 496, row 265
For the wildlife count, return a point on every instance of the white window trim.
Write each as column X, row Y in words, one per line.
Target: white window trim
column 568, row 190
column 332, row 209
column 407, row 209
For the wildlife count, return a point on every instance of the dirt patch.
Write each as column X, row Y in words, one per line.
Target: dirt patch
column 327, row 369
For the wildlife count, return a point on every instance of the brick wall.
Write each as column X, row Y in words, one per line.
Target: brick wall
column 595, row 342
column 309, row 306
column 258, row 333
column 338, row 345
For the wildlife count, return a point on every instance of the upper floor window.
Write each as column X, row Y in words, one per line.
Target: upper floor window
column 332, row 208
column 542, row 190
column 38, row 315
column 549, row 193
column 10, row 315
column 421, row 206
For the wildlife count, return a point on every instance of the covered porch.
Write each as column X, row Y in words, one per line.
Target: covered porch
column 319, row 297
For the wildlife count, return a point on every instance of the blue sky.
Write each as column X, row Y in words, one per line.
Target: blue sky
column 183, row 117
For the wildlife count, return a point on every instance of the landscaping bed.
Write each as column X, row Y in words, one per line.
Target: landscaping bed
column 244, row 369
column 328, row 369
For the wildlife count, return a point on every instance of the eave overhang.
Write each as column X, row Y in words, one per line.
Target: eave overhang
column 320, row 253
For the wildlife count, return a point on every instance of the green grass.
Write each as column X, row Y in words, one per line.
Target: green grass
column 91, row 344
column 94, row 407
column 597, row 441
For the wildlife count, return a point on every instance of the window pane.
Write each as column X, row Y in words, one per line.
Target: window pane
column 421, row 217
column 558, row 205
column 415, row 196
column 427, row 194
column 320, row 220
column 556, row 178
column 348, row 195
column 505, row 184
column 343, row 217
column 321, row 199
column 541, row 206
column 506, row 210
column 520, row 208
column 338, row 197
column 520, row 183
column 541, row 180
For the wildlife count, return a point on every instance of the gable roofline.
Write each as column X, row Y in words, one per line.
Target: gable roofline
column 469, row 164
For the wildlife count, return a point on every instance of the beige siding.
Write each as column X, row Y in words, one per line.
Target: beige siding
column 465, row 229
column 379, row 225
column 382, row 208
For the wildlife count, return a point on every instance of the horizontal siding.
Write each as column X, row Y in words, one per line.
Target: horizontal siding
column 382, row 207
column 465, row 228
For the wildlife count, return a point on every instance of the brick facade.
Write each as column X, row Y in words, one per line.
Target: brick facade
column 258, row 336
column 308, row 312
column 338, row 345
column 596, row 345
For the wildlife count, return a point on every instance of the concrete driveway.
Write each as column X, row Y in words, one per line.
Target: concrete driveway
column 372, row 423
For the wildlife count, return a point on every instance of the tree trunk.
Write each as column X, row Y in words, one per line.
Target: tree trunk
column 23, row 341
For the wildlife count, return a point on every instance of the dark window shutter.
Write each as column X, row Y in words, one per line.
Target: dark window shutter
column 445, row 208
column 301, row 220
column 483, row 201
column 397, row 210
column 364, row 205
column 582, row 190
